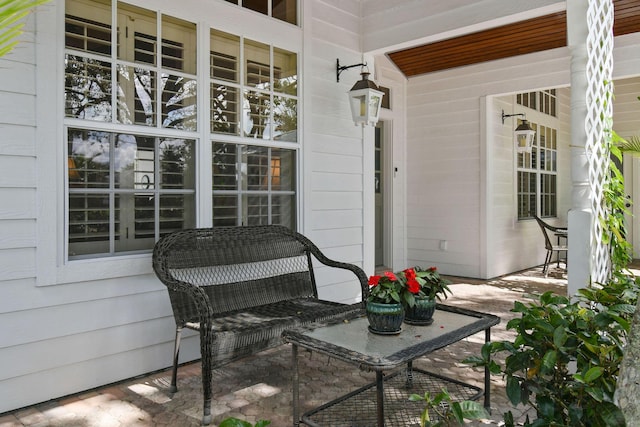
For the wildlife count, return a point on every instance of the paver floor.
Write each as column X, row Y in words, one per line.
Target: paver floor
column 259, row 387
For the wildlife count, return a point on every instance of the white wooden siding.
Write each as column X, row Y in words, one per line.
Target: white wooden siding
column 65, row 338
column 446, row 176
column 444, row 112
column 332, row 180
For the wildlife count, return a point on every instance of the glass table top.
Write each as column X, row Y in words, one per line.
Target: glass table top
column 352, row 340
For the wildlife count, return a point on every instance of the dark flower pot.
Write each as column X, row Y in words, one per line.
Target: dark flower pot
column 421, row 313
column 385, row 319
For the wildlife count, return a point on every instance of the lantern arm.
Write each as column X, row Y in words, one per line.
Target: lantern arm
column 341, row 68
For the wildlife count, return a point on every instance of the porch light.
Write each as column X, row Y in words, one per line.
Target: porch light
column 523, row 136
column 365, row 98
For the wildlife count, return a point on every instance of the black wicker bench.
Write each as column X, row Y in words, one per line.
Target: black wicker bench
column 241, row 287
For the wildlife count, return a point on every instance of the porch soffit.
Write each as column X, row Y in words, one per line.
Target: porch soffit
column 520, row 38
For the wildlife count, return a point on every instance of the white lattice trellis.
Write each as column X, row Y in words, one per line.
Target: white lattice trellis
column 598, row 124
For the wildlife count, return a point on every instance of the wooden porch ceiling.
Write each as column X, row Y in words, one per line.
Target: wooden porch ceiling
column 532, row 35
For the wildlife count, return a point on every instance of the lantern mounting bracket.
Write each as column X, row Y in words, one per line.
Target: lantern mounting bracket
column 504, row 116
column 341, row 68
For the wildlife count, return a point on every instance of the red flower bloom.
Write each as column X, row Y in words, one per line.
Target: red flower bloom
column 432, row 269
column 373, row 280
column 410, row 273
column 391, row 276
column 413, row 286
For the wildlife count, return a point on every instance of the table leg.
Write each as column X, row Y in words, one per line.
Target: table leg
column 296, row 386
column 380, row 398
column 487, row 375
column 409, row 375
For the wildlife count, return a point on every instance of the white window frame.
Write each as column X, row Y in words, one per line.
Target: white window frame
column 52, row 266
column 540, row 120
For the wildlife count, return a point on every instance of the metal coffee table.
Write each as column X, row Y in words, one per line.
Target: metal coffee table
column 387, row 399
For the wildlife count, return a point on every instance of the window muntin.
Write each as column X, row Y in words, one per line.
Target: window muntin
column 253, row 185
column 537, row 175
column 127, row 190
column 544, row 101
column 137, row 95
column 258, row 100
column 90, row 67
column 88, row 26
column 88, row 88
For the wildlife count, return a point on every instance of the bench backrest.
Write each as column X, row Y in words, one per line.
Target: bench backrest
column 238, row 267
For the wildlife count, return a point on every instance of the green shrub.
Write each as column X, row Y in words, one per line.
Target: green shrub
column 565, row 359
column 235, row 422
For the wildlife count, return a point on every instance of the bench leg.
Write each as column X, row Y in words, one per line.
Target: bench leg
column 295, row 380
column 176, row 353
column 207, row 374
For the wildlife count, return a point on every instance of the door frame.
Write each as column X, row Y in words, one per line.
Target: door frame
column 388, row 175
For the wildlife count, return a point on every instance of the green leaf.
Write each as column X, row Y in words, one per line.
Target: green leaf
column 549, row 362
column 544, row 326
column 596, row 393
column 10, row 13
column 416, row 398
column 546, row 408
column 472, row 410
column 456, row 411
column 234, row 422
column 593, row 374
column 559, row 336
column 494, row 368
column 611, row 415
column 263, row 423
column 474, row 361
column 513, row 390
column 519, row 307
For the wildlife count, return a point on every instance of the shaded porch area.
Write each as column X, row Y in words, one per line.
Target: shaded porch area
column 259, row 387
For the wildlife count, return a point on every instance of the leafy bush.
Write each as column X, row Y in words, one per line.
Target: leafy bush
column 565, row 359
column 440, row 410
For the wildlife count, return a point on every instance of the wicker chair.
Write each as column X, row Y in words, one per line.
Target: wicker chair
column 548, row 244
column 241, row 287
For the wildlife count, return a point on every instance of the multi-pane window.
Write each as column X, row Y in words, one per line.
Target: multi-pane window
column 132, row 128
column 253, row 99
column 127, row 189
column 544, row 101
column 537, row 175
column 155, row 81
column 284, row 10
column 253, row 185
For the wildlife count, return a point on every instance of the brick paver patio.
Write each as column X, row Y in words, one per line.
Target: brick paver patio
column 258, row 387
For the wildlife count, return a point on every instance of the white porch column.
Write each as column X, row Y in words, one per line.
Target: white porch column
column 580, row 215
column 592, row 145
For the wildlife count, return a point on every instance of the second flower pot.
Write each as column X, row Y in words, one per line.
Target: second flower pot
column 421, row 313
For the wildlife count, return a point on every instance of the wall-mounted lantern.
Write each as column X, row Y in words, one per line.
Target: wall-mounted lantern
column 523, row 136
column 365, row 98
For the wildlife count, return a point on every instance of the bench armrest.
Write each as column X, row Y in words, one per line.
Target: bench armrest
column 317, row 253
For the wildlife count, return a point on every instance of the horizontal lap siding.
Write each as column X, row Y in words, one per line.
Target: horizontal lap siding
column 444, row 160
column 516, row 245
column 333, row 154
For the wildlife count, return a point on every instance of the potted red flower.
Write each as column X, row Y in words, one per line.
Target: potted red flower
column 390, row 295
column 421, row 305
